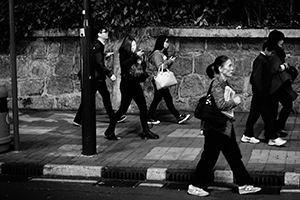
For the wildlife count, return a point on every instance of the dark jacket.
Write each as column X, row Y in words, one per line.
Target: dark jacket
column 261, row 75
column 217, row 91
column 101, row 71
column 126, row 61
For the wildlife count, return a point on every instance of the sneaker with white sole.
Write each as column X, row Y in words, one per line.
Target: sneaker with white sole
column 277, row 142
column 122, row 118
column 153, row 121
column 247, row 189
column 182, row 118
column 247, row 139
column 197, row 191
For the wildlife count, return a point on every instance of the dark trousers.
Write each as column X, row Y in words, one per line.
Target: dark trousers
column 282, row 96
column 101, row 87
column 261, row 104
column 216, row 142
column 158, row 96
column 130, row 92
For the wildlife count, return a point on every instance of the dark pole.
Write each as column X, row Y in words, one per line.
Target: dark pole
column 87, row 92
column 14, row 74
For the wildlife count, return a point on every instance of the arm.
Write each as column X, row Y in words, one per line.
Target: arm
column 158, row 60
column 126, row 61
column 99, row 59
column 217, row 91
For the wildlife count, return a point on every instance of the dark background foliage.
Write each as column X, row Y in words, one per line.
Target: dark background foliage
column 120, row 16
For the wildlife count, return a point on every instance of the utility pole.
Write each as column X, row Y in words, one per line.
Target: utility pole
column 14, row 79
column 87, row 92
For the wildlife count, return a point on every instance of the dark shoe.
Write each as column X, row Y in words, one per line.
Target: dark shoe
column 182, row 118
column 111, row 135
column 282, row 133
column 77, row 123
column 147, row 134
column 122, row 119
column 153, row 121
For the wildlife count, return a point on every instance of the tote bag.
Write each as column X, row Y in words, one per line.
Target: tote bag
column 164, row 79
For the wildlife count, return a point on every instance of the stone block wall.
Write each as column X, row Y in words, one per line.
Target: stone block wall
column 47, row 66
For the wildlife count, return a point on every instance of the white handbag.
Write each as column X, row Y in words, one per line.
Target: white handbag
column 164, row 79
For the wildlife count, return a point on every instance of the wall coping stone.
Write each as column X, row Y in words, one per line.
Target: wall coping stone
column 185, row 32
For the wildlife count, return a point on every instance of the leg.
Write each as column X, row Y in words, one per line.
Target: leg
column 158, row 94
column 253, row 116
column 287, row 107
column 232, row 153
column 126, row 98
column 169, row 101
column 102, row 89
column 139, row 99
column 209, row 157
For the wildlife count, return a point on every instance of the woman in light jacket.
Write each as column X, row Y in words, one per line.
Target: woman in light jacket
column 159, row 58
column 221, row 137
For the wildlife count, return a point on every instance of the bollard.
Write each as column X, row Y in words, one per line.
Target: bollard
column 5, row 137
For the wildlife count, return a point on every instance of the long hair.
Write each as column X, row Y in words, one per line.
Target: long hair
column 125, row 47
column 159, row 44
column 274, row 37
column 219, row 61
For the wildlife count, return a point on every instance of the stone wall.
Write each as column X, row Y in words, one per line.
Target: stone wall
column 47, row 66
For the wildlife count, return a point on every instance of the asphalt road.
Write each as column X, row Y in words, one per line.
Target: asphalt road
column 28, row 188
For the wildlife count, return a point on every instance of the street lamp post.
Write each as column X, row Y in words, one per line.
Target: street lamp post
column 87, row 93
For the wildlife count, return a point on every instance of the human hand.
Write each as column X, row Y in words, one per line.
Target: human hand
column 109, row 54
column 237, row 100
column 113, row 77
column 140, row 53
column 173, row 58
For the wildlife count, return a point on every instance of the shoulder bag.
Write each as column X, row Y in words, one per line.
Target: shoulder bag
column 207, row 110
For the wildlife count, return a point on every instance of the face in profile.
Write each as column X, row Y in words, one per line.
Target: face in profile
column 227, row 68
column 133, row 46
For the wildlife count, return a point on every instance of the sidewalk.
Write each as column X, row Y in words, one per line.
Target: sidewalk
column 51, row 145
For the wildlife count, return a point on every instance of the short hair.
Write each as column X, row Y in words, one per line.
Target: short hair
column 275, row 36
column 269, row 45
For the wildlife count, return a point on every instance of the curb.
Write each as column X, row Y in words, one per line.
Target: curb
column 284, row 179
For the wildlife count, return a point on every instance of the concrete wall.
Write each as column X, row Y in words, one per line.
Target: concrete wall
column 48, row 63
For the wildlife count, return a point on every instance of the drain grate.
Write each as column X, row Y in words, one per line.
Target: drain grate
column 22, row 169
column 118, row 183
column 179, row 176
column 268, row 178
column 123, row 173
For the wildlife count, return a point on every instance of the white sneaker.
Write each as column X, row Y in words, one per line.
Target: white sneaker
column 247, row 189
column 197, row 191
column 277, row 142
column 247, row 139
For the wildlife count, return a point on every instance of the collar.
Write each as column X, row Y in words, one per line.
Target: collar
column 101, row 40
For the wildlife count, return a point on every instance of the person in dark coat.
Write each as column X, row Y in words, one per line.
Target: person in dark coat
column 101, row 72
column 261, row 80
column 281, row 89
column 131, row 89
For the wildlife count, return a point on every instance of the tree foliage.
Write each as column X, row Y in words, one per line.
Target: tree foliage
column 120, row 16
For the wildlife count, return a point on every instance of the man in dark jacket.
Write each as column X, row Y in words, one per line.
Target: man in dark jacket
column 260, row 79
column 101, row 72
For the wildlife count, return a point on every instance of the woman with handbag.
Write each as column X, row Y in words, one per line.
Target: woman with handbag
column 130, row 88
column 159, row 58
column 281, row 88
column 220, row 137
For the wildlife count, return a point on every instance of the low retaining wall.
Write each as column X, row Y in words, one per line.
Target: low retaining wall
column 47, row 65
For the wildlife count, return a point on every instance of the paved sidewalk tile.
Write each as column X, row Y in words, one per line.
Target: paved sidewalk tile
column 50, row 138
